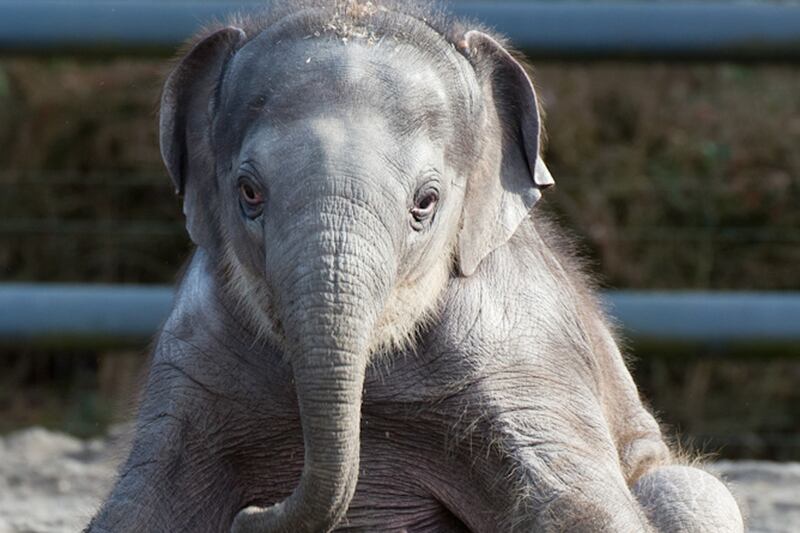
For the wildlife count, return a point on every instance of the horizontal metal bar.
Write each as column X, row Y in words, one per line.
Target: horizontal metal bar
column 568, row 30
column 708, row 316
column 41, row 311
column 37, row 311
column 668, row 30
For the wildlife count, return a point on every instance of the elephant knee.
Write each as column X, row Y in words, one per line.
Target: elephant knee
column 682, row 499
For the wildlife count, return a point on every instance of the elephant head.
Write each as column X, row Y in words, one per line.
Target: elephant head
column 340, row 183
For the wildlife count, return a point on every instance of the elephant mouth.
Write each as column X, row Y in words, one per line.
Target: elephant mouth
column 411, row 306
column 254, row 301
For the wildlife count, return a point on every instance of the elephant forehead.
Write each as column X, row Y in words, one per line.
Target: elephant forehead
column 359, row 146
column 303, row 78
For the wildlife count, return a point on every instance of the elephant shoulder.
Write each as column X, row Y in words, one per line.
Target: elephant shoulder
column 206, row 322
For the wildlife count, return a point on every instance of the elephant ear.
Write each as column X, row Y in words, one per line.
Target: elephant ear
column 187, row 110
column 511, row 175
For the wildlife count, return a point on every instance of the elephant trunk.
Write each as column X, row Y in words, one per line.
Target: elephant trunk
column 335, row 299
column 329, row 385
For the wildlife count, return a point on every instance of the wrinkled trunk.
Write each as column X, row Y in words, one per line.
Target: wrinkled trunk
column 334, row 294
column 329, row 384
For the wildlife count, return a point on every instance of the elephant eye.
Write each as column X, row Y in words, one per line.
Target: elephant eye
column 425, row 205
column 251, row 197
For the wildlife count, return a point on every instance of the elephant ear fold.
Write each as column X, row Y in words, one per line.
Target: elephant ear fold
column 511, row 175
column 187, row 110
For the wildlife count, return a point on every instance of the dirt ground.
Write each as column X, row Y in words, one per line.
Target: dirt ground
column 52, row 483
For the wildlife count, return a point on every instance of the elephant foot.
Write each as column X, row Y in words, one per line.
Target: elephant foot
column 683, row 499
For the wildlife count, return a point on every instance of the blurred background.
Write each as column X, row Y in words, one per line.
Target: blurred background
column 677, row 163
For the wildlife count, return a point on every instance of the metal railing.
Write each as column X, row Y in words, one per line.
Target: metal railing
column 102, row 313
column 566, row 30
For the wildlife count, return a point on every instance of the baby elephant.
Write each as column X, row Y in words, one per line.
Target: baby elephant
column 374, row 333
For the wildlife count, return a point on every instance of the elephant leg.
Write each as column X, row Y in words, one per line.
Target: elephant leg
column 181, row 472
column 560, row 488
column 595, row 508
column 683, row 499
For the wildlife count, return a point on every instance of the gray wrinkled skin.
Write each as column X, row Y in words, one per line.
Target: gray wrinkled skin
column 335, row 362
